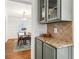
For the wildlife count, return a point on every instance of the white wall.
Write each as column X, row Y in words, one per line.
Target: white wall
column 37, row 28
column 14, row 11
column 12, row 26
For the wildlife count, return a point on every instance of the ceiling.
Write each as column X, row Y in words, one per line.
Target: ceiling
column 23, row 1
column 16, row 8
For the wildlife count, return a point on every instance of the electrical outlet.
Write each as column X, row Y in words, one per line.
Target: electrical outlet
column 55, row 30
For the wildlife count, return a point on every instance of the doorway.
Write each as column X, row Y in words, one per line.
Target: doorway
column 18, row 29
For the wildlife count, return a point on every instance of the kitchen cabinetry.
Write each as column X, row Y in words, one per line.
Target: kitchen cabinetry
column 46, row 51
column 55, row 10
column 63, row 53
column 42, row 10
column 38, row 49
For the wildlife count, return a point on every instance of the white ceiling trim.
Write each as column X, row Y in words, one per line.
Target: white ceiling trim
column 23, row 1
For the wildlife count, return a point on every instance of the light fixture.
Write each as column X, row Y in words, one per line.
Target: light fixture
column 25, row 16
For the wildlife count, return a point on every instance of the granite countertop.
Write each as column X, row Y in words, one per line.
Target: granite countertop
column 57, row 43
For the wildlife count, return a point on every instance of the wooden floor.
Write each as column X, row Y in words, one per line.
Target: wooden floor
column 9, row 54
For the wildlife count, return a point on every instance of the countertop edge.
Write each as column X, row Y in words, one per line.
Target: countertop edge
column 68, row 45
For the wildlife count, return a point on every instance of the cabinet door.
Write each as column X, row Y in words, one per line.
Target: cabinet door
column 42, row 5
column 66, row 10
column 38, row 49
column 48, row 52
column 65, row 53
column 71, row 52
column 62, row 53
column 51, row 10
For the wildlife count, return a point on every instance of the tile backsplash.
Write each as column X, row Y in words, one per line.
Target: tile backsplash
column 64, row 30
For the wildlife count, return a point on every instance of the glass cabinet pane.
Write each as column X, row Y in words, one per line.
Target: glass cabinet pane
column 52, row 9
column 42, row 10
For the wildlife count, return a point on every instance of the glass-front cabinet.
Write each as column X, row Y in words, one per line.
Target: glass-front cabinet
column 48, row 10
column 55, row 10
column 51, row 10
column 42, row 11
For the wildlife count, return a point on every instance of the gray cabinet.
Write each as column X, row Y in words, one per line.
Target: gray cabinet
column 65, row 53
column 66, row 10
column 55, row 10
column 38, row 49
column 42, row 8
column 62, row 53
column 50, row 52
column 46, row 51
column 71, row 52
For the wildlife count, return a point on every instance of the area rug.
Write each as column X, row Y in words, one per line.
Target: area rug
column 22, row 47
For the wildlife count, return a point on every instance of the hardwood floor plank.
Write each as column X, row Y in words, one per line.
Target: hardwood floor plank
column 10, row 54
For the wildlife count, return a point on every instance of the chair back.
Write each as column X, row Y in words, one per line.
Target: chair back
column 20, row 34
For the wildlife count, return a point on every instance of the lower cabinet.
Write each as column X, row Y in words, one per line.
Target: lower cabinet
column 65, row 53
column 45, row 51
column 38, row 49
column 49, row 52
column 62, row 53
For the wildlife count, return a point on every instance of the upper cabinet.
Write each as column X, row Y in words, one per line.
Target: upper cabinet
column 55, row 10
column 52, row 10
column 42, row 10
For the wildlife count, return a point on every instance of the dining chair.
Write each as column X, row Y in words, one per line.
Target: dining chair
column 23, row 38
column 20, row 38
